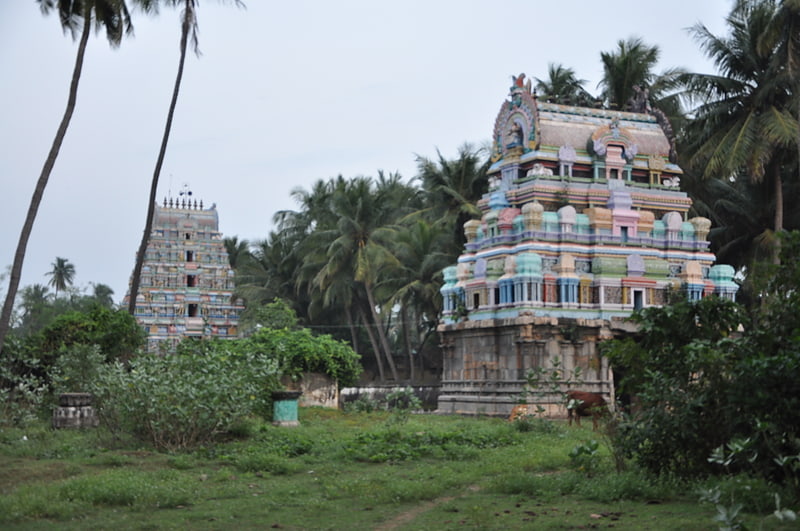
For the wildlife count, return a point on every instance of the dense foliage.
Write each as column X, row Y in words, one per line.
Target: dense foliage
column 184, row 401
column 716, row 388
column 61, row 357
column 298, row 351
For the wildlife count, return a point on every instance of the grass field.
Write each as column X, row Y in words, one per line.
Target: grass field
column 350, row 471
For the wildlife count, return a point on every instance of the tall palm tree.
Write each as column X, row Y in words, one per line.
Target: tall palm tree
column 77, row 17
column 415, row 282
column 563, row 86
column 452, row 189
column 62, row 274
column 357, row 248
column 103, row 294
column 783, row 34
column 237, row 250
column 743, row 127
column 34, row 305
column 631, row 64
column 630, row 68
column 188, row 32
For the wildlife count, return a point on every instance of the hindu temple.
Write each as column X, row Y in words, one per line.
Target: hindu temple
column 187, row 283
column 584, row 222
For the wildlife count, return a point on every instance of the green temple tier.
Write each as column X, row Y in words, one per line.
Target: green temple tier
column 584, row 222
column 187, row 284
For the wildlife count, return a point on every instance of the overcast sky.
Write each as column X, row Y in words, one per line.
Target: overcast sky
column 284, row 94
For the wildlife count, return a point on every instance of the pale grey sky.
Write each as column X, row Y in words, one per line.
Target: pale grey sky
column 284, row 94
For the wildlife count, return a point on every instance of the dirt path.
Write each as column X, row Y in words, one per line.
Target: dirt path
column 409, row 515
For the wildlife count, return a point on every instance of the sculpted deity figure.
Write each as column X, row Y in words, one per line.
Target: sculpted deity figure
column 514, row 135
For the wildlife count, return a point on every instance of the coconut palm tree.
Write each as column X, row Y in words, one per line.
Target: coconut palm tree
column 563, row 86
column 630, row 68
column 358, row 248
column 783, row 35
column 188, row 33
column 77, row 17
column 415, row 282
column 62, row 274
column 743, row 126
column 237, row 250
column 103, row 294
column 452, row 189
column 631, row 64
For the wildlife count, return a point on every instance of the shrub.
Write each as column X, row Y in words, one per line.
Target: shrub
column 23, row 387
column 298, row 351
column 184, row 401
column 76, row 367
column 362, row 404
column 585, row 458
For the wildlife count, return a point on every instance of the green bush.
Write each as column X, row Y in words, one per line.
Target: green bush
column 298, row 351
column 76, row 367
column 716, row 384
column 23, row 386
column 585, row 458
column 184, row 401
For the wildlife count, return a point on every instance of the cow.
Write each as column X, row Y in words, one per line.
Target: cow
column 582, row 404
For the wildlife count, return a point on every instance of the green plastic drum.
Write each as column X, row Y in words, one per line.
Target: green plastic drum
column 284, row 408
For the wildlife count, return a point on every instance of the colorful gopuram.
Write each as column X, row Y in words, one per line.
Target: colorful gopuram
column 187, row 283
column 584, row 222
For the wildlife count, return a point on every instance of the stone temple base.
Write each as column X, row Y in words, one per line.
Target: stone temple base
column 486, row 362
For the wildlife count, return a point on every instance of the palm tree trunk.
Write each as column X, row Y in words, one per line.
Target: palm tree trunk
column 41, row 184
column 778, row 224
column 381, row 333
column 375, row 347
column 148, row 225
column 407, row 338
column 351, row 325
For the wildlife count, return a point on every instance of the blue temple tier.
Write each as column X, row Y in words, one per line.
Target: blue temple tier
column 584, row 218
column 583, row 223
column 187, row 284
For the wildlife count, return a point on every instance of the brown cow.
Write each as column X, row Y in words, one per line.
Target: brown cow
column 582, row 404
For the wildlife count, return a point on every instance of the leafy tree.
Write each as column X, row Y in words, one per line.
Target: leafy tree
column 298, row 351
column 276, row 315
column 77, row 17
column 188, row 32
column 114, row 332
column 61, row 275
column 676, row 368
column 23, row 389
column 716, row 387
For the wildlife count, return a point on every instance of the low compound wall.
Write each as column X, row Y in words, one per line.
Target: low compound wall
column 427, row 394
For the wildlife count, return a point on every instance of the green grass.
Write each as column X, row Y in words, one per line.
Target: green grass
column 343, row 471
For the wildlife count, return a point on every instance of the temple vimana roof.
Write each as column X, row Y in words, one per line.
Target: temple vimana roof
column 584, row 218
